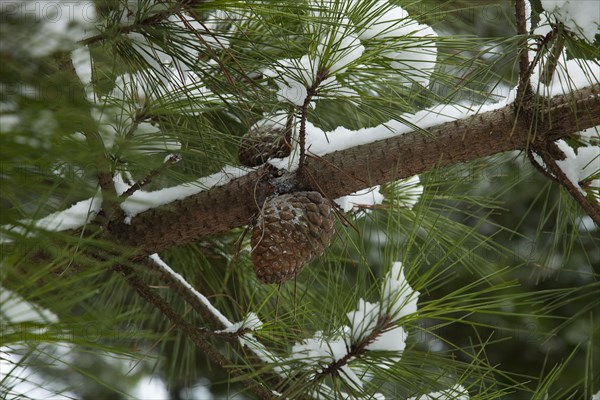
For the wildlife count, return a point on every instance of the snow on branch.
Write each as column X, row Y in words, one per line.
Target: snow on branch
column 373, row 326
column 73, row 217
column 581, row 17
column 222, row 318
column 242, row 330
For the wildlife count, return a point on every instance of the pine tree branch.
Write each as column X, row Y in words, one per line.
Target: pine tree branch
column 194, row 334
column 545, row 151
column 150, row 20
column 231, row 205
column 524, row 91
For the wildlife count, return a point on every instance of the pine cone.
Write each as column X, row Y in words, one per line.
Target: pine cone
column 266, row 139
column 291, row 230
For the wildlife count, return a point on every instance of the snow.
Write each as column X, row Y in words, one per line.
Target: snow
column 160, row 263
column 596, row 396
column 339, row 48
column 363, row 320
column 399, row 299
column 150, row 388
column 320, row 350
column 319, row 142
column 412, row 49
column 72, row 218
column 581, row 17
column 408, row 191
column 361, row 200
column 277, row 121
column 23, row 383
column 456, row 392
column 393, row 340
column 15, row 309
column 569, row 76
column 58, row 24
column 579, row 165
column 342, row 43
column 141, row 201
column 120, row 185
column 82, row 63
column 251, row 322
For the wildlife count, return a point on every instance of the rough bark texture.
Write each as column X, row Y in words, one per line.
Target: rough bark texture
column 344, row 172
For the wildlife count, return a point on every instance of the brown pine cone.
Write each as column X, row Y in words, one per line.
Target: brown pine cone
column 291, row 230
column 269, row 139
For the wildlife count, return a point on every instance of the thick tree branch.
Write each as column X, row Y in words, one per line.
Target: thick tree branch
column 344, row 172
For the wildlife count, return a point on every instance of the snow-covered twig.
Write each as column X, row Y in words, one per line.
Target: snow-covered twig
column 546, row 152
column 194, row 334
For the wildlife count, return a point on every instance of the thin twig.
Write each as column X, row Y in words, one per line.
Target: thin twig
column 185, row 293
column 311, row 91
column 524, row 91
column 384, row 322
column 552, row 62
column 171, row 159
column 195, row 335
column 539, row 167
column 102, row 166
column 545, row 153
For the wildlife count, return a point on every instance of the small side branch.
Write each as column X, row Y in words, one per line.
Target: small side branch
column 195, row 335
column 524, row 91
column 95, row 143
column 170, row 160
column 383, row 323
column 311, row 92
column 546, row 151
column 197, row 301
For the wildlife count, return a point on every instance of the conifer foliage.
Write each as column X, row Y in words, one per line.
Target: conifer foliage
column 370, row 199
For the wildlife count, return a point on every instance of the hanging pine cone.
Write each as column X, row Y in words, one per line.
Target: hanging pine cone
column 291, row 230
column 266, row 139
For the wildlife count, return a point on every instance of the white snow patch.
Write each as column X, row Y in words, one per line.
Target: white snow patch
column 150, row 388
column 580, row 165
column 569, row 76
column 412, row 48
column 141, row 200
column 410, row 190
column 25, row 383
column 82, row 62
column 252, row 322
column 399, row 299
column 71, row 218
column 360, row 201
column 363, row 320
column 15, row 309
column 160, row 263
column 320, row 350
column 58, row 24
column 581, row 17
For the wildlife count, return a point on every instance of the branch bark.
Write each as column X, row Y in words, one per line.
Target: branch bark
column 344, row 172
